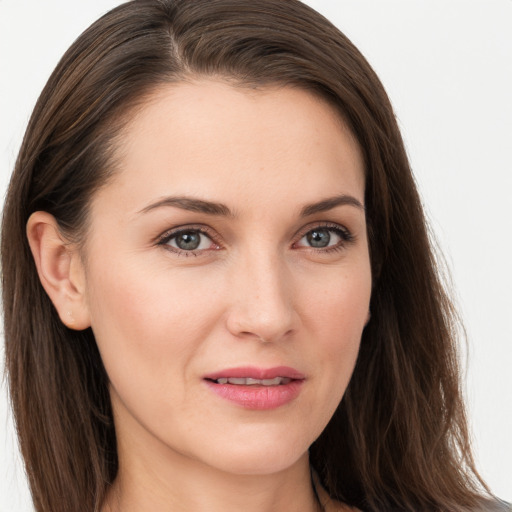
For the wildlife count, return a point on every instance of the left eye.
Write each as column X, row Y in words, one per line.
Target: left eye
column 189, row 240
column 320, row 238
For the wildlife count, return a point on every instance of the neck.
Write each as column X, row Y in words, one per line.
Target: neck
column 207, row 489
column 157, row 478
column 162, row 477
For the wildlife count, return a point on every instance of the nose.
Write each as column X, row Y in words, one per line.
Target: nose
column 262, row 305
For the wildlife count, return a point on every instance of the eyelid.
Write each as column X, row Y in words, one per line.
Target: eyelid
column 167, row 235
column 324, row 225
column 346, row 235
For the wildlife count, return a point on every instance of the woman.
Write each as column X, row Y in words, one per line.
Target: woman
column 233, row 302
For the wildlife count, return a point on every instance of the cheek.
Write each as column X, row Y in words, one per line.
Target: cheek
column 336, row 319
column 144, row 322
column 340, row 307
column 137, row 298
column 148, row 332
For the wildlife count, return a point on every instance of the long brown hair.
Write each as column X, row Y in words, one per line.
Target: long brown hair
column 398, row 440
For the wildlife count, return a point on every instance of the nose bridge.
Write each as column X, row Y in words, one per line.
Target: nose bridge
column 263, row 297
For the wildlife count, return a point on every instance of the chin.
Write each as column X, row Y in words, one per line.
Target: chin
column 259, row 465
column 258, row 457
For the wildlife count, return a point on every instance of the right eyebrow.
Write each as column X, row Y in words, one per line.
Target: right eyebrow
column 191, row 204
column 330, row 203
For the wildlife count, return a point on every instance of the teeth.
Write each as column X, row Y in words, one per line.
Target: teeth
column 272, row 382
column 236, row 380
column 240, row 381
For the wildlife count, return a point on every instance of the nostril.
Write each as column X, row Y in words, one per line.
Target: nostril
column 264, row 322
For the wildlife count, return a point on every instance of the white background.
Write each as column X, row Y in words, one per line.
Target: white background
column 447, row 66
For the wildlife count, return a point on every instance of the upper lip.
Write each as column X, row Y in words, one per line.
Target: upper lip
column 253, row 372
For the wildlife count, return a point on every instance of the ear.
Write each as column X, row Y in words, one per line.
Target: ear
column 60, row 270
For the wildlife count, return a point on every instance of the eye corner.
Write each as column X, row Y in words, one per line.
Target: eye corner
column 193, row 244
column 325, row 233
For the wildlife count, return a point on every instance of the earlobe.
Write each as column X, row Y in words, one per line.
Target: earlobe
column 60, row 270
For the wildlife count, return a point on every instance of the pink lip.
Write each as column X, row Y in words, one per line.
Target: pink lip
column 257, row 373
column 257, row 397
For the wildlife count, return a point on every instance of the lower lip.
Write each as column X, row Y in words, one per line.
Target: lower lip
column 258, row 397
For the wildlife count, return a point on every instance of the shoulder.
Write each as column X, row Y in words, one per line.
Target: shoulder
column 494, row 506
column 327, row 503
column 486, row 506
column 331, row 505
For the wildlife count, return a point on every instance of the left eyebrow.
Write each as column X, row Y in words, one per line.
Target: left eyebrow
column 191, row 204
column 330, row 203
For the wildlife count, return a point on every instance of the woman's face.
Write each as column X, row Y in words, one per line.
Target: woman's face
column 231, row 244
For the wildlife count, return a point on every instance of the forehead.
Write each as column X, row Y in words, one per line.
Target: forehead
column 210, row 139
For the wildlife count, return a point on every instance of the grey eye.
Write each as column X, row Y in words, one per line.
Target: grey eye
column 320, row 237
column 190, row 240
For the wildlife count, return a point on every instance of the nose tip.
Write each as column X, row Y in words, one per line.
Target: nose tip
column 252, row 325
column 263, row 307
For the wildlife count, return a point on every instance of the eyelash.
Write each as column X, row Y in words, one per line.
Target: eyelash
column 346, row 238
column 166, row 237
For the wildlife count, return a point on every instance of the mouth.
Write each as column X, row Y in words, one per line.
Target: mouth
column 249, row 381
column 256, row 388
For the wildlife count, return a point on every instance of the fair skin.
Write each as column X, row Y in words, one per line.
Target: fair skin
column 275, row 274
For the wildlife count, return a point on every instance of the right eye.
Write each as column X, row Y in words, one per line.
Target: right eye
column 189, row 241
